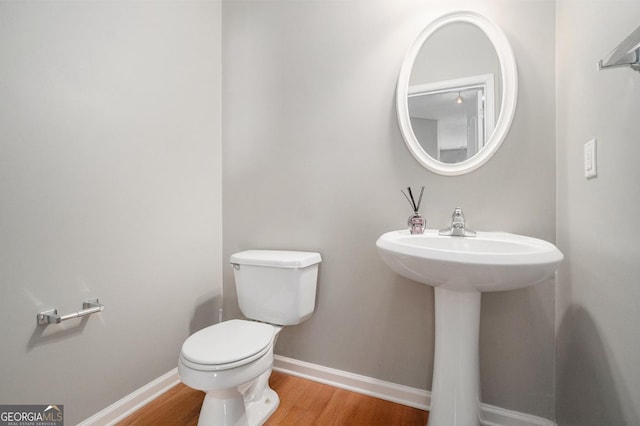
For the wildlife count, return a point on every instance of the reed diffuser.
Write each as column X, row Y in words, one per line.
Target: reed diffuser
column 416, row 222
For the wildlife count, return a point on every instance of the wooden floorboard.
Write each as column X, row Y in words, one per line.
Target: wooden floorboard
column 302, row 403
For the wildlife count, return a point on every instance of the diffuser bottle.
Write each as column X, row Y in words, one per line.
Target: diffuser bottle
column 416, row 222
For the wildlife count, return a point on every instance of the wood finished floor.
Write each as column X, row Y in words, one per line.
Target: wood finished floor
column 302, row 402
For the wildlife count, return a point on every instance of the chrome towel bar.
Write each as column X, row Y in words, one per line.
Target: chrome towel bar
column 89, row 306
column 627, row 53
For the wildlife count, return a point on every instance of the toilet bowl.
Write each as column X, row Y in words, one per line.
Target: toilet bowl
column 232, row 361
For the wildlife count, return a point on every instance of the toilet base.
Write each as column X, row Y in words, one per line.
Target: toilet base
column 259, row 411
column 232, row 411
column 244, row 406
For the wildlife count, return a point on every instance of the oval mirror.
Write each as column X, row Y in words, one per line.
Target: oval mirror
column 457, row 93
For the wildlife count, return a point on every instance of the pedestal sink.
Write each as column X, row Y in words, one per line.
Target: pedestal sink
column 460, row 269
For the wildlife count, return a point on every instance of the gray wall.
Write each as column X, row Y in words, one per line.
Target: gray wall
column 110, row 187
column 313, row 160
column 598, row 373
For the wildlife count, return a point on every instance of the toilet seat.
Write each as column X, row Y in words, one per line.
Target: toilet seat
column 227, row 345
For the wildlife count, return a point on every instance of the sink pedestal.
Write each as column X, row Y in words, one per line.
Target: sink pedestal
column 455, row 391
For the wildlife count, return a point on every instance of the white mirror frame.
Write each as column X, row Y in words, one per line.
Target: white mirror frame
column 509, row 74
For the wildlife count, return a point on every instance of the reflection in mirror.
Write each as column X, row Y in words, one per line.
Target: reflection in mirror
column 456, row 93
column 452, row 120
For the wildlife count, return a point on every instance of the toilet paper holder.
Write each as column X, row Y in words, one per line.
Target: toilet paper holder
column 89, row 306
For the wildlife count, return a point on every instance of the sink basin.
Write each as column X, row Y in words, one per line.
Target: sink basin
column 491, row 261
column 460, row 269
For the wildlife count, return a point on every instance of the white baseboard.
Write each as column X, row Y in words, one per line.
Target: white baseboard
column 388, row 391
column 405, row 395
column 126, row 406
column 496, row 416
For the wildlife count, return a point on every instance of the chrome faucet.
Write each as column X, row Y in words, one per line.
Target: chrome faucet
column 457, row 228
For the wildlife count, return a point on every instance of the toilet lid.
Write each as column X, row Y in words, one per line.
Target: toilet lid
column 227, row 342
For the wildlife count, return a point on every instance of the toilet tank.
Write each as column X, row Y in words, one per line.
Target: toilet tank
column 276, row 286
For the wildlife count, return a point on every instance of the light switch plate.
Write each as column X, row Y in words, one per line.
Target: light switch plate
column 590, row 159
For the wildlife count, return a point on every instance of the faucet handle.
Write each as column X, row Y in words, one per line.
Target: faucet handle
column 457, row 213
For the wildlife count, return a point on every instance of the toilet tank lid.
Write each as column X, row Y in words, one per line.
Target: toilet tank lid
column 276, row 258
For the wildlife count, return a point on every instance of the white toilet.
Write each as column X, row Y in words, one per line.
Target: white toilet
column 232, row 361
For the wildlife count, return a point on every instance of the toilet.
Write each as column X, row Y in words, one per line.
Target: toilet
column 231, row 361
